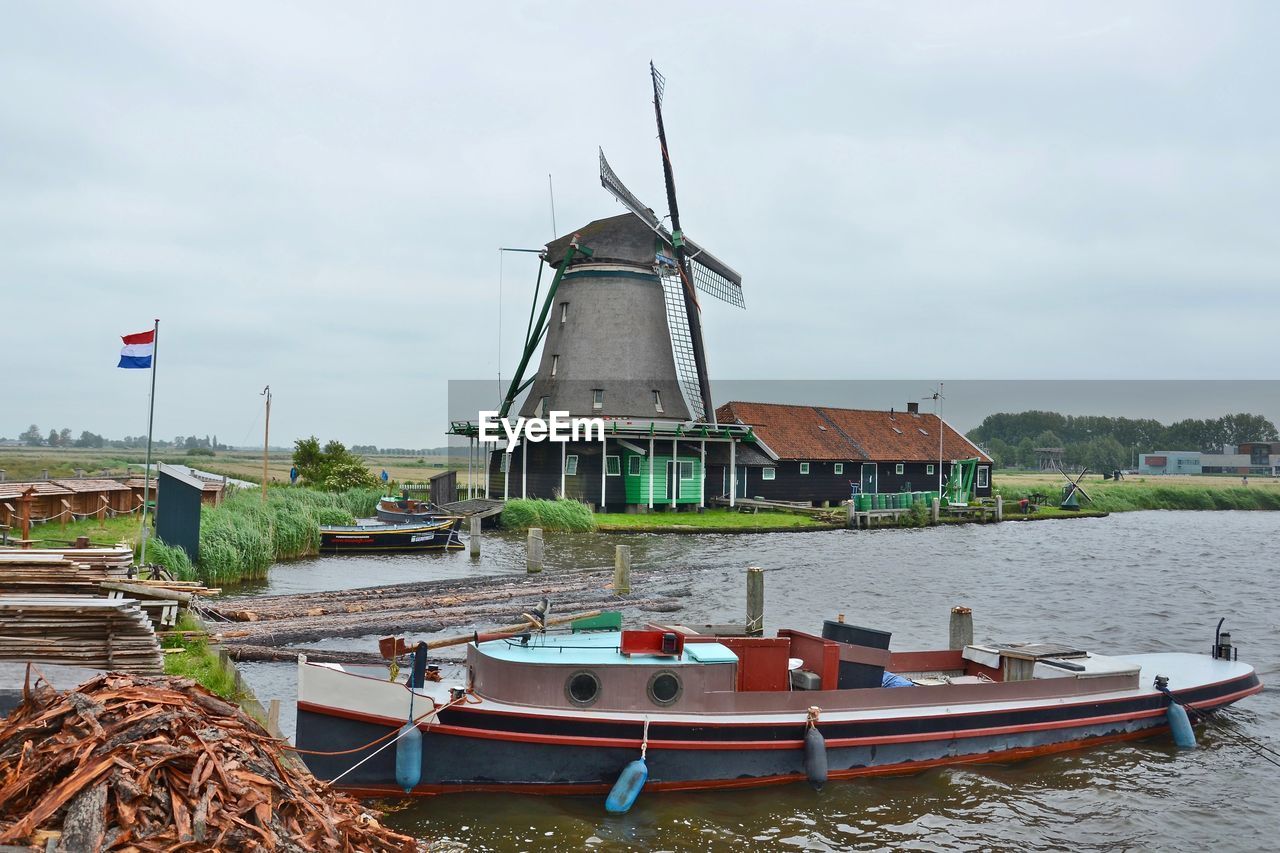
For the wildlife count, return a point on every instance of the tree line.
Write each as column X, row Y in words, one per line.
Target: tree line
column 32, row 436
column 1104, row 443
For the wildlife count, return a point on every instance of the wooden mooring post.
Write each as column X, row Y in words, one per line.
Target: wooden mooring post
column 961, row 628
column 474, row 541
column 622, row 570
column 936, row 510
column 999, row 508
column 755, row 601
column 533, row 551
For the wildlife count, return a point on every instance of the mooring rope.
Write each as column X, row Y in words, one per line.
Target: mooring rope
column 1256, row 747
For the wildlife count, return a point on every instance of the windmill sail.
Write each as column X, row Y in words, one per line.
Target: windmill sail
column 710, row 275
column 681, row 340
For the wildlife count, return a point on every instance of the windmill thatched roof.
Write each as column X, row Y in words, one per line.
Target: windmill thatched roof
column 624, row 238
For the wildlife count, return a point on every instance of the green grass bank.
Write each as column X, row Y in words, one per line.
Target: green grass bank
column 713, row 520
column 1131, row 496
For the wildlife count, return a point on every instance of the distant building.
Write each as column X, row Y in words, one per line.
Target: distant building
column 816, row 454
column 1170, row 462
column 1251, row 457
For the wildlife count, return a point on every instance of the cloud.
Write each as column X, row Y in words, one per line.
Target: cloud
column 312, row 195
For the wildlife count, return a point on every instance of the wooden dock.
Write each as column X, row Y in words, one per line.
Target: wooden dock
column 475, row 508
column 757, row 504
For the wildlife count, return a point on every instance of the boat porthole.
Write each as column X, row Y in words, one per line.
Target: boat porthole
column 664, row 688
column 582, row 688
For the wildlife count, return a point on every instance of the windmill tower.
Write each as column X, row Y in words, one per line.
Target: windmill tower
column 620, row 334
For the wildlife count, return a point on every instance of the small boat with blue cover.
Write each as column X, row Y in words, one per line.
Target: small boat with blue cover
column 666, row 709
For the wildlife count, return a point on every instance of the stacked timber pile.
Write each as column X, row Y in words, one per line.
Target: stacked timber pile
column 430, row 606
column 158, row 764
column 38, row 572
column 114, row 561
column 78, row 630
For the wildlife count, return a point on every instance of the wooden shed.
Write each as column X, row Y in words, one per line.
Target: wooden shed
column 46, row 503
column 88, row 494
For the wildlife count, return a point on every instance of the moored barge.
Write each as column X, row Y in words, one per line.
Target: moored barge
column 564, row 714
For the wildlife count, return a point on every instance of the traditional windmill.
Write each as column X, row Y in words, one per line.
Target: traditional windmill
column 1072, row 492
column 640, row 344
column 621, row 339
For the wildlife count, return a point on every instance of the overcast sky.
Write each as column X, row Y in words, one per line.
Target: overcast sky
column 313, row 195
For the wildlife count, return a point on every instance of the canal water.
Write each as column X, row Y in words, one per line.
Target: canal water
column 1136, row 582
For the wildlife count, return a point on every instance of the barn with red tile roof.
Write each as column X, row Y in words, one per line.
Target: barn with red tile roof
column 816, row 453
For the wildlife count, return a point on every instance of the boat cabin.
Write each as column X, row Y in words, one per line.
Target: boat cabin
column 671, row 668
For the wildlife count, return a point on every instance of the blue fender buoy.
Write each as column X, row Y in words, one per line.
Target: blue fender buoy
column 627, row 788
column 409, row 757
column 1180, row 724
column 815, row 757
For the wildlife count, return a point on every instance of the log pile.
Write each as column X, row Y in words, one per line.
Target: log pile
column 115, row 561
column 430, row 606
column 78, row 630
column 158, row 764
column 41, row 573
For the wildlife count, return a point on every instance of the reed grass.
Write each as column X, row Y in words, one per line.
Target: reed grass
column 172, row 558
column 561, row 515
column 241, row 537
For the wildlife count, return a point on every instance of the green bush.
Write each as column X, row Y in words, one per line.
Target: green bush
column 561, row 515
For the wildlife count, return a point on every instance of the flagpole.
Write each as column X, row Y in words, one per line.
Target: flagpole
column 151, row 416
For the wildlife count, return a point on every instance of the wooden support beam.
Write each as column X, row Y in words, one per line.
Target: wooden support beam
column 622, row 569
column 533, row 551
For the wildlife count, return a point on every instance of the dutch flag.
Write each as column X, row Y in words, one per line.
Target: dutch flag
column 137, row 349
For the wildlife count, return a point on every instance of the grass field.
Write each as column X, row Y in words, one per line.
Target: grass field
column 711, row 521
column 28, row 463
column 1136, row 492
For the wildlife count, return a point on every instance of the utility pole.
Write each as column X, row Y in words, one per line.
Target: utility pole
column 266, row 439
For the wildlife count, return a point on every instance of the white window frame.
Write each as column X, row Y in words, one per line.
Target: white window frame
column 597, row 398
column 657, row 401
column 768, row 473
column 681, row 471
column 614, row 462
column 929, row 470
column 898, row 468
column 633, row 466
column 564, row 312
column 571, row 465
column 804, row 467
column 555, row 364
column 984, row 477
column 839, row 468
